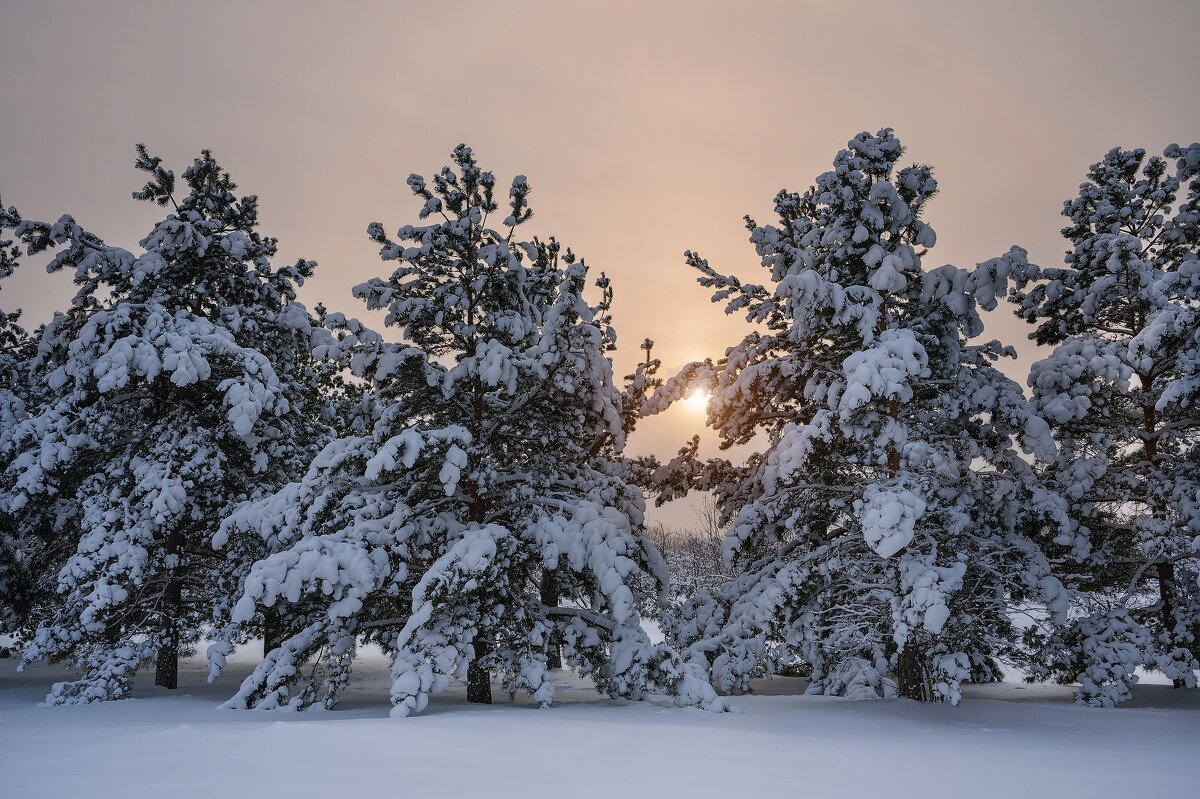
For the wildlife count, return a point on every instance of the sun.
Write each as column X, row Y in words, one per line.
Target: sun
column 698, row 401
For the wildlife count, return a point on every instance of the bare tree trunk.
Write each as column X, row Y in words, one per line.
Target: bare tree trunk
column 166, row 667
column 1166, row 593
column 550, row 594
column 479, row 679
column 913, row 680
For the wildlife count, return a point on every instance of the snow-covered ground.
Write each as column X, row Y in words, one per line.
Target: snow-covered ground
column 1004, row 741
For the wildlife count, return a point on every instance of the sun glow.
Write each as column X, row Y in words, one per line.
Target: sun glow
column 698, row 401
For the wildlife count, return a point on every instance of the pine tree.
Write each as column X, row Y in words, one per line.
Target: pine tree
column 22, row 564
column 13, row 338
column 880, row 525
column 173, row 391
column 486, row 518
column 1120, row 390
column 339, row 406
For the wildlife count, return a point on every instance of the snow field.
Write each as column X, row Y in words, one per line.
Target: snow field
column 1006, row 740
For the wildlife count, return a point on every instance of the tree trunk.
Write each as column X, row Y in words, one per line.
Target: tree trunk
column 273, row 632
column 479, row 679
column 550, row 594
column 1166, row 570
column 1166, row 593
column 912, row 674
column 166, row 667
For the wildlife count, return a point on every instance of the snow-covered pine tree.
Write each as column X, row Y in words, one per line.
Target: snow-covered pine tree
column 491, row 466
column 880, row 525
column 1120, row 391
column 341, row 406
column 13, row 338
column 20, row 558
column 174, row 389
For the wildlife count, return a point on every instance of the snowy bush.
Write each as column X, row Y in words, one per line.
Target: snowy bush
column 693, row 554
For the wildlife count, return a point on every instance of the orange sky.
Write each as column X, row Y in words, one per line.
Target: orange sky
column 645, row 128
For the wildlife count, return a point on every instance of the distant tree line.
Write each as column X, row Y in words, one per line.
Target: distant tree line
column 192, row 457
